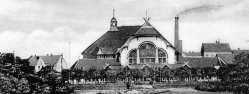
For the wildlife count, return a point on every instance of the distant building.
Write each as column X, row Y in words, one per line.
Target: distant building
column 56, row 62
column 239, row 51
column 213, row 49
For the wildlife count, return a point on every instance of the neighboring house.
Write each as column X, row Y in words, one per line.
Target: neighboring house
column 239, row 51
column 212, row 49
column 56, row 62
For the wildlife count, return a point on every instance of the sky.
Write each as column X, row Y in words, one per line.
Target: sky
column 40, row 27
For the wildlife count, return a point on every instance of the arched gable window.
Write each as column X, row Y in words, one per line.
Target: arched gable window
column 147, row 53
column 162, row 56
column 133, row 56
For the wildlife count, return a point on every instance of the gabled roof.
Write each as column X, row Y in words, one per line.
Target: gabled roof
column 49, row 60
column 98, row 64
column 201, row 62
column 174, row 66
column 147, row 30
column 226, row 58
column 216, row 47
column 110, row 41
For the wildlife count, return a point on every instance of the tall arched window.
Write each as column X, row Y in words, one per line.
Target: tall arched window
column 147, row 53
column 133, row 56
column 162, row 56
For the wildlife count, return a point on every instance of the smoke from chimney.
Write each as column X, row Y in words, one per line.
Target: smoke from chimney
column 200, row 9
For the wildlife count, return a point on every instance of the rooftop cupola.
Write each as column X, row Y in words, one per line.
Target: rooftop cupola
column 114, row 23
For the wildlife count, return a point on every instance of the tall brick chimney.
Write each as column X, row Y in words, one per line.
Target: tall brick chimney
column 176, row 32
column 177, row 41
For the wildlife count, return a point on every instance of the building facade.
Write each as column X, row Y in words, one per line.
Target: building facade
column 56, row 62
column 133, row 46
column 143, row 45
column 213, row 49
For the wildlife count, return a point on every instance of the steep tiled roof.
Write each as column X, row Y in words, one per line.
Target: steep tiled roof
column 226, row 58
column 216, row 47
column 147, row 30
column 50, row 60
column 99, row 64
column 201, row 62
column 192, row 54
column 110, row 41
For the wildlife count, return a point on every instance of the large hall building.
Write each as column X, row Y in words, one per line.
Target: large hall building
column 143, row 45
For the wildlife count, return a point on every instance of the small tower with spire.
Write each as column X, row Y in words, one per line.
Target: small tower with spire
column 114, row 22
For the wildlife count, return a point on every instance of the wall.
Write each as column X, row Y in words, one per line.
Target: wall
column 58, row 67
column 39, row 65
column 213, row 54
column 135, row 42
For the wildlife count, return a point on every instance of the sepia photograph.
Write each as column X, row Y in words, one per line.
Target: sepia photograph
column 124, row 47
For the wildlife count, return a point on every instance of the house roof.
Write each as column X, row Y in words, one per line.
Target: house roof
column 192, row 54
column 49, row 60
column 147, row 30
column 99, row 64
column 174, row 66
column 216, row 47
column 110, row 41
column 226, row 58
column 33, row 60
column 201, row 62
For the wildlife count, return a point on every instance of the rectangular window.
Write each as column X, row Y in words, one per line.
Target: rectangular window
column 132, row 61
column 162, row 60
